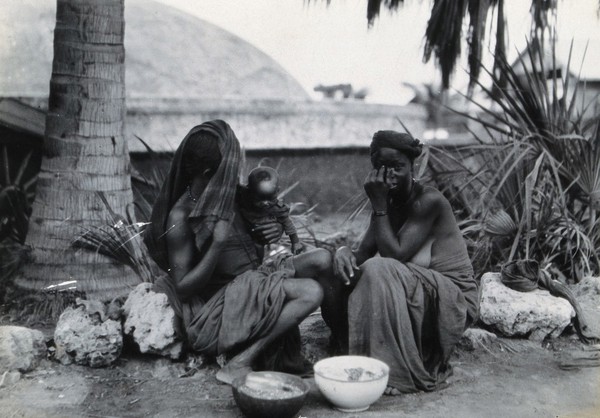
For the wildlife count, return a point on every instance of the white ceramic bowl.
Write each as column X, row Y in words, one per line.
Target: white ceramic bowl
column 351, row 383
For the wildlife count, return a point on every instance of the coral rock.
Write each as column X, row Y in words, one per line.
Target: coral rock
column 150, row 320
column 20, row 348
column 82, row 338
column 536, row 314
column 587, row 293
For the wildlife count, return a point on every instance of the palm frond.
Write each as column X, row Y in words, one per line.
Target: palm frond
column 443, row 35
column 121, row 240
column 374, row 7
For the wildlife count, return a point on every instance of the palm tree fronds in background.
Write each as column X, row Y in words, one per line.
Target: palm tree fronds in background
column 374, row 7
column 443, row 35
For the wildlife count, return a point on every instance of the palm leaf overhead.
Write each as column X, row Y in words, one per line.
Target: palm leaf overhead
column 374, row 7
column 444, row 32
column 443, row 35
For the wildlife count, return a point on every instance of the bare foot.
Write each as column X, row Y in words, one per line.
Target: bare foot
column 392, row 391
column 231, row 371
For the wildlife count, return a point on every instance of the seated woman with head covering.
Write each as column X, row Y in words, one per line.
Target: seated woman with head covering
column 410, row 305
column 227, row 301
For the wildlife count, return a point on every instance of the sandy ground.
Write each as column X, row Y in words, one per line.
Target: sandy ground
column 503, row 378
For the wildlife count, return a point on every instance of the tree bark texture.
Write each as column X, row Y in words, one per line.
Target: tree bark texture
column 84, row 152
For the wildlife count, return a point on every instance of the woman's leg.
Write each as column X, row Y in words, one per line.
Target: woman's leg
column 318, row 264
column 303, row 296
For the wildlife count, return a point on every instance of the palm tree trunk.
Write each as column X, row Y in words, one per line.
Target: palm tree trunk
column 84, row 152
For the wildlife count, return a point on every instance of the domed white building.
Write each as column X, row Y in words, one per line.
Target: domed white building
column 169, row 54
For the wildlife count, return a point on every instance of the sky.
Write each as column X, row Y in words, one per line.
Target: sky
column 320, row 44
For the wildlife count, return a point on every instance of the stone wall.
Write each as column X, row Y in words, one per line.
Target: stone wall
column 269, row 124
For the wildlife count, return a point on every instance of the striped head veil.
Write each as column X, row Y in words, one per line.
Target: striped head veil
column 217, row 200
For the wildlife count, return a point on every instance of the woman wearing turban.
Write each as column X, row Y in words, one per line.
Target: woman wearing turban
column 410, row 305
column 228, row 303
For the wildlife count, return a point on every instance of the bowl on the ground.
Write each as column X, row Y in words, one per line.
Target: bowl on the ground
column 351, row 383
column 269, row 394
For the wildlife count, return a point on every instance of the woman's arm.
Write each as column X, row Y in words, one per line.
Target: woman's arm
column 412, row 235
column 415, row 231
column 346, row 261
column 367, row 246
column 189, row 274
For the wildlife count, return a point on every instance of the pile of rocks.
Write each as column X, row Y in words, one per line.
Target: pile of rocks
column 92, row 333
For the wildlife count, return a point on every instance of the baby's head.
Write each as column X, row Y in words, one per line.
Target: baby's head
column 263, row 183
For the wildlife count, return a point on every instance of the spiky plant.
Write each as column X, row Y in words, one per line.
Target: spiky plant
column 538, row 175
column 120, row 239
column 16, row 195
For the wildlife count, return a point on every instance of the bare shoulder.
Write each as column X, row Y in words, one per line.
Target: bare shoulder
column 444, row 214
column 430, row 200
column 177, row 214
column 177, row 219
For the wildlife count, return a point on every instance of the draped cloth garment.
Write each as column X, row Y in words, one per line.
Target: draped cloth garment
column 237, row 309
column 412, row 317
column 243, row 299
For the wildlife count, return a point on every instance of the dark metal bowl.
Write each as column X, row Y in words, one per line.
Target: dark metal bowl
column 255, row 407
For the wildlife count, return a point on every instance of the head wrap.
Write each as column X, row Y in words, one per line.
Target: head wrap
column 402, row 142
column 217, row 200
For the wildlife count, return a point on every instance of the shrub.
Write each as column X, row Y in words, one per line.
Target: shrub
column 532, row 186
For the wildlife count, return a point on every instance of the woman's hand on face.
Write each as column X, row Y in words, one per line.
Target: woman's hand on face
column 268, row 232
column 377, row 188
column 221, row 232
column 344, row 264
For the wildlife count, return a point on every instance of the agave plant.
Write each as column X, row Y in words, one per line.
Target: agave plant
column 537, row 172
column 16, row 194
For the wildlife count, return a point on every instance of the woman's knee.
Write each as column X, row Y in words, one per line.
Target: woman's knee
column 313, row 292
column 372, row 265
column 306, row 290
column 377, row 267
column 373, row 276
column 313, row 264
column 321, row 259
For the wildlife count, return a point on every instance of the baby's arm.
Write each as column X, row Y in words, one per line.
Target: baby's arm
column 288, row 226
column 290, row 230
